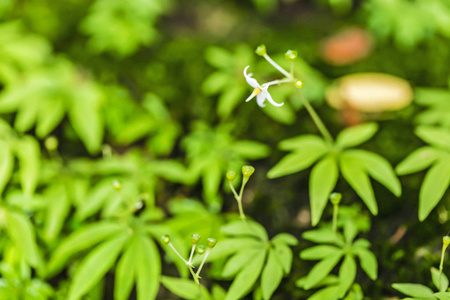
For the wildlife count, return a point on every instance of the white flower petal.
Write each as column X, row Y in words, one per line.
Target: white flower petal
column 251, row 96
column 260, row 98
column 251, row 81
column 269, row 98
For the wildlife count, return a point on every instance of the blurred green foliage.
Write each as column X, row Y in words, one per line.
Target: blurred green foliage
column 119, row 120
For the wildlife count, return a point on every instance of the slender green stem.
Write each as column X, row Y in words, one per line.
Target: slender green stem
column 320, row 125
column 335, row 215
column 292, row 69
column 192, row 254
column 279, row 81
column 194, row 276
column 178, row 254
column 239, row 201
column 203, row 262
column 441, row 265
column 277, row 66
column 236, row 196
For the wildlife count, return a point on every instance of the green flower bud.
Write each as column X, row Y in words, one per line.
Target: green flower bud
column 231, row 175
column 261, row 50
column 117, row 185
column 335, row 198
column 291, row 55
column 211, row 243
column 446, row 240
column 165, row 239
column 195, row 239
column 247, row 171
column 200, row 249
column 51, row 143
column 298, row 84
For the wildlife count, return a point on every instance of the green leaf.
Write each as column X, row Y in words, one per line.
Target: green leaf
column 6, row 164
column 187, row 289
column 414, row 290
column 80, row 240
column 95, row 199
column 417, row 161
column 307, row 140
column 51, row 112
column 95, row 265
column 358, row 179
column 219, row 57
column 21, row 231
column 228, row 246
column 378, row 168
column 322, row 181
column 58, row 208
column 271, row 275
column 285, row 238
column 318, row 252
column 442, row 295
column 244, row 281
column 215, row 82
column 347, row 274
column 368, row 261
column 247, row 228
column 301, row 159
column 148, row 270
column 28, row 153
column 229, row 99
column 321, row 270
column 126, row 271
column 238, row 261
column 284, row 256
column 439, row 137
column 356, row 135
column 434, row 185
column 329, row 293
column 443, row 286
column 284, row 114
column 322, row 236
column 250, row 149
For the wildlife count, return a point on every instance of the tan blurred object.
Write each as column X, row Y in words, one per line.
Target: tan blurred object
column 347, row 46
column 368, row 93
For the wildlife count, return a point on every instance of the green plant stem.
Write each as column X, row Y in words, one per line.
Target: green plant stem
column 320, row 125
column 192, row 254
column 277, row 66
column 239, row 201
column 178, row 254
column 203, row 262
column 335, row 215
column 441, row 265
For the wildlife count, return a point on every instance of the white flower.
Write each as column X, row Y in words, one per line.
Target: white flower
column 260, row 91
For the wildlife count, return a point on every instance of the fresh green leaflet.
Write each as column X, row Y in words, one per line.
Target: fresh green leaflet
column 187, row 289
column 437, row 102
column 251, row 256
column 334, row 248
column 419, row 291
column 436, row 157
column 356, row 166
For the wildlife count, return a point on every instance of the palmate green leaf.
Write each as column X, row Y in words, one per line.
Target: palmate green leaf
column 95, row 265
column 135, row 130
column 28, row 153
column 228, row 246
column 248, row 228
column 219, row 57
column 215, row 82
column 307, row 140
column 6, row 164
column 185, row 288
column 148, row 270
column 244, row 281
column 378, row 168
column 324, row 176
column 368, row 261
column 321, row 270
column 434, row 185
column 238, row 261
column 95, row 199
column 318, row 252
column 356, row 176
column 322, row 236
column 414, row 290
column 443, row 286
column 284, row 114
column 80, row 240
column 439, row 137
column 284, row 256
column 417, row 161
column 212, row 177
column 347, row 274
column 51, row 113
column 298, row 160
column 356, row 135
column 271, row 276
column 21, row 232
column 126, row 271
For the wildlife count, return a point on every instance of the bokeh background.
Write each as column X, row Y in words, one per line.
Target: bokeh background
column 151, row 93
